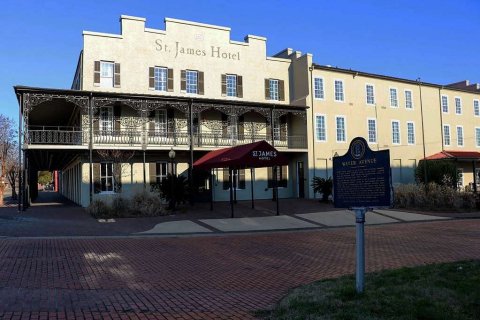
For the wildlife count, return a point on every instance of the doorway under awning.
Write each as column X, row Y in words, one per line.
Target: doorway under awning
column 253, row 155
column 459, row 156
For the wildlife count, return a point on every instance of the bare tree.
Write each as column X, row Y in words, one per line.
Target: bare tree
column 117, row 157
column 13, row 169
column 7, row 145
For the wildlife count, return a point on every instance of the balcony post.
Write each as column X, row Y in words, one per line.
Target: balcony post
column 190, row 134
column 90, row 146
column 20, row 114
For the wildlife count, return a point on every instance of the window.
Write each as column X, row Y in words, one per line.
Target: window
column 161, row 171
column 282, row 177
column 395, row 132
column 341, row 135
column 106, row 176
column 460, row 136
column 192, row 81
column 370, row 94
column 106, row 120
column 410, row 132
column 238, row 179
column 319, row 92
column 477, row 137
column 393, row 97
column 161, row 121
column 274, row 89
column 161, row 77
column 231, row 85
column 458, row 105
column 372, row 130
column 321, row 128
column 476, row 108
column 446, row 134
column 408, row 99
column 106, row 74
column 445, row 104
column 339, row 95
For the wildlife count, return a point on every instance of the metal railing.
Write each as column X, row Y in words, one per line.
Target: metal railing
column 155, row 137
column 128, row 137
column 225, row 140
column 55, row 135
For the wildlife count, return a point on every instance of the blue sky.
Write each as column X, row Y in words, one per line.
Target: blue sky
column 438, row 41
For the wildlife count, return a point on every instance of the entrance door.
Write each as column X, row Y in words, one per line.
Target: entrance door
column 301, row 179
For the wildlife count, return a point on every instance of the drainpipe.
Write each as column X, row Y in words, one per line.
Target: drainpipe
column 441, row 115
column 20, row 111
column 90, row 146
column 423, row 132
column 312, row 90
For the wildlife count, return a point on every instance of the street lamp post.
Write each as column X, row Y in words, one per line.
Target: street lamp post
column 171, row 155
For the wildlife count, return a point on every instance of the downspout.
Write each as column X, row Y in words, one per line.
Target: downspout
column 313, row 126
column 423, row 132
column 441, row 114
column 20, row 111
column 90, row 147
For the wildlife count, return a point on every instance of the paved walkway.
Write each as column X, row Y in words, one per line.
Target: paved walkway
column 221, row 277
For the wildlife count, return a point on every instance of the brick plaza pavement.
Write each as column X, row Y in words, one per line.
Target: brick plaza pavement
column 216, row 277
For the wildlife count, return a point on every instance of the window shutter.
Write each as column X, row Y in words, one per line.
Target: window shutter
column 96, row 73
column 200, row 83
column 281, row 90
column 183, row 80
column 152, row 173
column 284, row 176
column 170, row 80
column 97, row 186
column 239, row 87
column 270, row 177
column 170, row 122
column 224, row 125
column 226, row 179
column 151, row 78
column 117, row 112
column 241, row 128
column 116, row 82
column 268, row 130
column 241, row 179
column 224, row 85
column 267, row 89
column 283, row 128
column 117, row 177
column 151, row 124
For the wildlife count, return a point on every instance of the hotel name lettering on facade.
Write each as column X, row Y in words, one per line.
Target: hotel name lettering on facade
column 179, row 49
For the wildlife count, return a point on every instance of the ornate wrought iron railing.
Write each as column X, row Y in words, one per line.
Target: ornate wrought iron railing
column 226, row 140
column 129, row 137
column 156, row 137
column 54, row 135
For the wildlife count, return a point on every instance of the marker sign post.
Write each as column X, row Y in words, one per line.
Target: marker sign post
column 361, row 182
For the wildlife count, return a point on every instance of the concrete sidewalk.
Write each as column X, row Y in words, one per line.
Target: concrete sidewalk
column 327, row 219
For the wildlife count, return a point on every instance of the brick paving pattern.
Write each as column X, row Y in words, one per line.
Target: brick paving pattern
column 219, row 277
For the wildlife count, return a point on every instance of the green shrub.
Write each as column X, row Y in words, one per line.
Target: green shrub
column 147, row 205
column 99, row 209
column 323, row 186
column 442, row 172
column 120, row 207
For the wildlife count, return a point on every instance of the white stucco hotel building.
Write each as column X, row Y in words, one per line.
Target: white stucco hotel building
column 192, row 89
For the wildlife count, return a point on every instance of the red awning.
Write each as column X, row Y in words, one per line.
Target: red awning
column 455, row 155
column 258, row 154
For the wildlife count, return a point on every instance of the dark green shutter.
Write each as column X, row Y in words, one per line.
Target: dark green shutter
column 201, row 86
column 224, row 85
column 267, row 89
column 97, row 186
column 116, row 82
column 283, row 180
column 283, row 128
column 117, row 113
column 151, row 78
column 281, row 90
column 183, row 80
column 170, row 80
column 96, row 73
column 239, row 87
column 170, row 122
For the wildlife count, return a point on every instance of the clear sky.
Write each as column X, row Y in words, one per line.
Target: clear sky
column 439, row 41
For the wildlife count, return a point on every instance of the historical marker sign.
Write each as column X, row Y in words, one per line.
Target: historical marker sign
column 361, row 177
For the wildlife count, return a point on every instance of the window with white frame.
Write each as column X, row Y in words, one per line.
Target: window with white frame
column 339, row 94
column 321, row 128
column 319, row 91
column 370, row 92
column 446, row 134
column 160, row 78
column 274, row 89
column 340, row 124
column 106, row 73
column 372, row 130
column 106, row 120
column 161, row 121
column 477, row 137
column 460, row 136
column 458, row 105
column 395, row 132
column 445, row 104
column 408, row 99
column 231, row 85
column 393, row 97
column 476, row 108
column 192, row 81
column 161, row 171
column 410, row 132
column 106, row 177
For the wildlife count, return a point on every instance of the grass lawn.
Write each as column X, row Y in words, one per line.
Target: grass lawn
column 440, row 291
